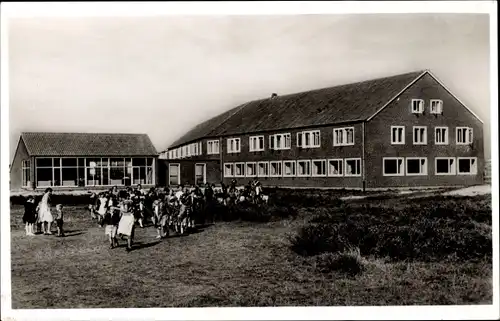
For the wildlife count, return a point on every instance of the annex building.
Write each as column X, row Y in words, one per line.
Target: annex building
column 406, row 130
column 82, row 160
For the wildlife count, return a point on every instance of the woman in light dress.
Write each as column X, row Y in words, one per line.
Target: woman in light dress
column 127, row 221
column 44, row 215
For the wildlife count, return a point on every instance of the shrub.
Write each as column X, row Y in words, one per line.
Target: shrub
column 255, row 213
column 439, row 229
column 348, row 262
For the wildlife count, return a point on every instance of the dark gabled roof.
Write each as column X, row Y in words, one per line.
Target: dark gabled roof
column 339, row 104
column 88, row 144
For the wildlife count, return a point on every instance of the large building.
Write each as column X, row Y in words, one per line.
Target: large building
column 406, row 130
column 82, row 160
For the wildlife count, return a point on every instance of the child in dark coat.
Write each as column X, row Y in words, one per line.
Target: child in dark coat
column 30, row 215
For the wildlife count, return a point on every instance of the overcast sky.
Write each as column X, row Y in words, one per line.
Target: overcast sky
column 163, row 75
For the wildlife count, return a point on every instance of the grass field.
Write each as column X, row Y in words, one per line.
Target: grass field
column 242, row 263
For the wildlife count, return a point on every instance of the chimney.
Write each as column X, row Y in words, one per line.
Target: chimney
column 274, row 95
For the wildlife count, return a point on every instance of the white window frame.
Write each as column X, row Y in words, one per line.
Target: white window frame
column 266, row 166
column 446, row 140
column 472, row 166
column 439, row 104
column 25, row 165
column 345, row 167
column 273, row 139
column 423, row 168
column 280, row 167
column 242, row 170
column 213, row 147
column 304, row 161
column 469, row 136
column 393, row 142
column 234, row 140
column 255, row 147
column 402, row 170
column 323, row 161
column 311, row 138
column 425, row 135
column 453, row 167
column 254, row 169
column 204, row 172
column 293, row 167
column 339, row 161
column 344, row 141
column 178, row 172
column 421, row 106
column 232, row 170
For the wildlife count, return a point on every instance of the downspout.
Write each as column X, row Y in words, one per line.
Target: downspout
column 221, row 158
column 363, row 157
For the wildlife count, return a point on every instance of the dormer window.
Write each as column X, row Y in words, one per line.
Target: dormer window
column 417, row 106
column 436, row 106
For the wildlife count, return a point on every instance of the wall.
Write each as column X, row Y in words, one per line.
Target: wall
column 398, row 113
column 16, row 166
column 187, row 170
column 325, row 151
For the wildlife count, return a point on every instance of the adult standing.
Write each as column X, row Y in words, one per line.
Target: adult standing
column 44, row 214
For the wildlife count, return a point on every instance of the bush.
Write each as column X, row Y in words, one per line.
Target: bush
column 255, row 213
column 435, row 230
column 301, row 198
column 348, row 262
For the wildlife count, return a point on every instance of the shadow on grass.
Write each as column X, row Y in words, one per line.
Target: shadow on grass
column 67, row 234
column 140, row 245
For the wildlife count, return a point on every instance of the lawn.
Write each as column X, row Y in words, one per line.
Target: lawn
column 234, row 263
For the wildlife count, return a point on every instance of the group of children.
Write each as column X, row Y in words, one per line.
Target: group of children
column 41, row 215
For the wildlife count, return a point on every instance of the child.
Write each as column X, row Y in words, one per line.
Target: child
column 92, row 204
column 126, row 224
column 102, row 209
column 30, row 216
column 59, row 220
column 111, row 220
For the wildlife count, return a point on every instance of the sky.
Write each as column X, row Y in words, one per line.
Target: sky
column 162, row 75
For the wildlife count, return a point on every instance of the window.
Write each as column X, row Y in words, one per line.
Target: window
column 436, row 106
column 239, row 169
column 464, row 135
column 212, row 147
column 416, row 166
column 318, row 167
column 467, row 165
column 276, row 169
column 417, row 106
column 353, row 167
column 289, row 168
column 335, row 167
column 441, row 136
column 309, row 139
column 263, row 169
column 397, row 135
column 419, row 135
column 174, row 174
column 445, row 166
column 280, row 141
column 303, row 168
column 343, row 136
column 228, row 170
column 256, row 143
column 393, row 166
column 251, row 170
column 200, row 174
column 25, row 173
column 233, row 145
